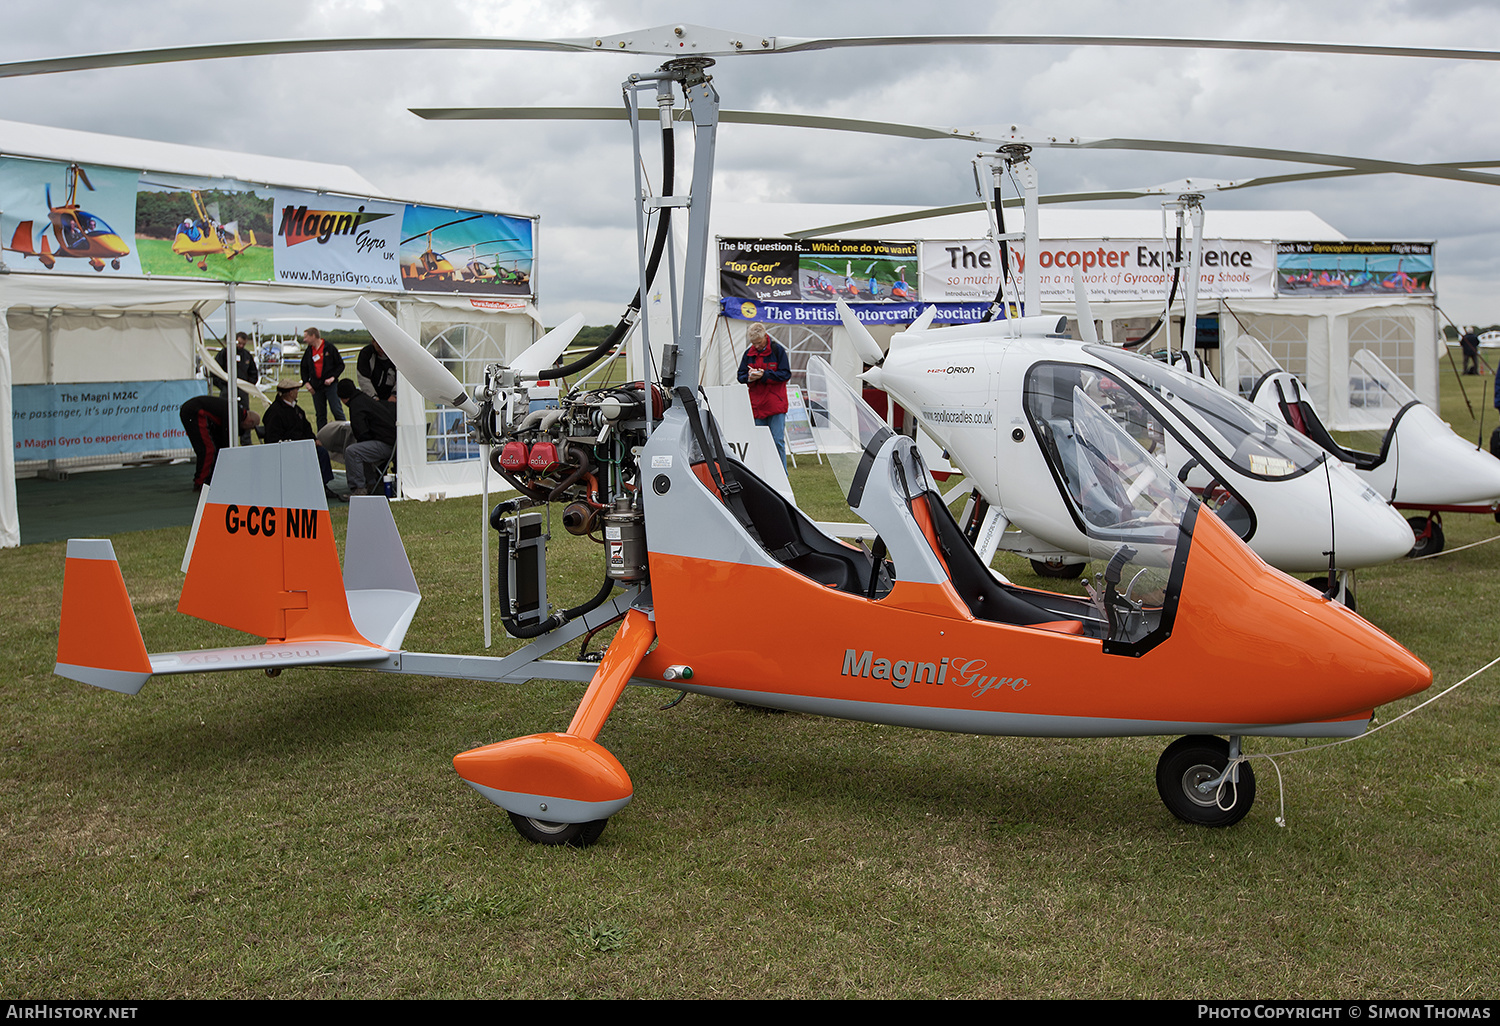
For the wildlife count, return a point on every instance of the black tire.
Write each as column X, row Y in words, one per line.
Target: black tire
column 1191, row 760
column 1320, row 585
column 1058, row 570
column 574, row 835
column 1434, row 540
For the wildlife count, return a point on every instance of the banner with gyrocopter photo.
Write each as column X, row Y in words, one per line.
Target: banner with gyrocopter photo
column 60, row 218
column 1350, row 268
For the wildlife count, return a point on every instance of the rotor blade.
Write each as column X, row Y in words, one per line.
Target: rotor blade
column 421, row 368
column 263, row 48
column 440, row 227
column 864, row 343
column 1168, row 189
column 543, row 353
column 757, row 117
column 789, row 44
column 694, row 41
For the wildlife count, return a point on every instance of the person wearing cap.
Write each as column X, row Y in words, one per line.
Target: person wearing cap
column 285, row 421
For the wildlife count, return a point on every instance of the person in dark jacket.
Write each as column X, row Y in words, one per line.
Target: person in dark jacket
column 376, row 368
column 1469, row 343
column 285, row 421
column 205, row 418
column 244, row 361
column 766, row 369
column 322, row 366
column 373, row 422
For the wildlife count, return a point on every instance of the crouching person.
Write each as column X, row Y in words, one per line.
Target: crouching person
column 373, row 423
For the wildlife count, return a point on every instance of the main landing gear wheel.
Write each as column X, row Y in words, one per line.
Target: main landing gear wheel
column 1056, row 568
column 1429, row 534
column 574, row 835
column 1194, row 760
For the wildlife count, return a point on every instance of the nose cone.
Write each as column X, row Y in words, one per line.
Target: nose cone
column 1370, row 530
column 1282, row 653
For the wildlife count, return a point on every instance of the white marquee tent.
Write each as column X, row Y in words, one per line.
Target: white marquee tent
column 1313, row 336
column 77, row 328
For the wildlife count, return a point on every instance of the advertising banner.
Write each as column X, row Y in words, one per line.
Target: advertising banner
column 337, row 240
column 817, row 270
column 445, row 250
column 1132, row 269
column 190, row 227
column 867, row 313
column 59, row 421
column 1354, row 268
column 963, row 270
column 67, row 218
column 58, row 218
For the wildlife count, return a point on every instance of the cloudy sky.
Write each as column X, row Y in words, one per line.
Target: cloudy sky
column 352, row 108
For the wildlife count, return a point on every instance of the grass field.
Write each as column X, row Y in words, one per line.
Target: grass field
column 254, row 264
column 305, row 836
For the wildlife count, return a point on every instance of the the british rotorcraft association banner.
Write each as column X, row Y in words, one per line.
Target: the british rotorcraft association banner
column 797, row 281
column 59, row 219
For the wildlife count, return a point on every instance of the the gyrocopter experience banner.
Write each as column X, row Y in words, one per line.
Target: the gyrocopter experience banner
column 792, row 281
column 60, row 218
column 1354, row 268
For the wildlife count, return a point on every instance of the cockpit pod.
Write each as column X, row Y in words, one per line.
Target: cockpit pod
column 1417, row 460
column 1136, row 518
column 1269, row 483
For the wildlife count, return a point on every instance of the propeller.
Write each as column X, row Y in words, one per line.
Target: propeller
column 436, row 382
column 864, row 343
column 426, row 374
column 695, row 41
column 544, row 352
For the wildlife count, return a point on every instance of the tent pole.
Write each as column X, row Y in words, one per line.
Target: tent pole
column 231, row 370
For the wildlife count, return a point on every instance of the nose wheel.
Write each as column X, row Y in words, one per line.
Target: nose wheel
column 574, row 835
column 1188, row 777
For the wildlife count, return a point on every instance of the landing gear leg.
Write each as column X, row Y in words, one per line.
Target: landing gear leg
column 1192, row 781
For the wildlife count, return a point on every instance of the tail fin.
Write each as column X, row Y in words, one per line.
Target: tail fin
column 264, row 560
column 382, row 593
column 20, row 242
column 99, row 641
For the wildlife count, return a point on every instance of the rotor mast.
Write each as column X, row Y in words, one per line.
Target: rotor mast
column 682, row 360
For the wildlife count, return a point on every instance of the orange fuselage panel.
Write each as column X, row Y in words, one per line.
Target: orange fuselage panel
column 1249, row 645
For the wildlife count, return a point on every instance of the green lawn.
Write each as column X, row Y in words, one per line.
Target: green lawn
column 254, row 264
column 305, row 836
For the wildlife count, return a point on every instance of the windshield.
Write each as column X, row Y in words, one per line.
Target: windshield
column 1240, row 433
column 848, row 432
column 1254, row 361
column 1374, row 386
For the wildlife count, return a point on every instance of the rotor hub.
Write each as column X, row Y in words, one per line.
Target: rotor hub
column 689, row 70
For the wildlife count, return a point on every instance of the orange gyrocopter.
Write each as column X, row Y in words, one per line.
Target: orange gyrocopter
column 912, row 631
column 79, row 234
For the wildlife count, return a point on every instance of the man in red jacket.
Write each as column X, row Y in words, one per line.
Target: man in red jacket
column 766, row 369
